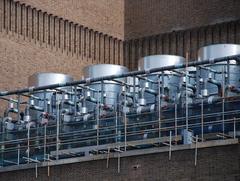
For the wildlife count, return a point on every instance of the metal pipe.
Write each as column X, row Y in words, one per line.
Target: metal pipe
column 223, row 100
column 37, row 108
column 45, row 142
column 28, row 141
column 133, row 73
column 75, row 100
column 18, row 107
column 170, row 146
column 175, row 121
column 190, row 86
column 58, row 130
column 98, row 113
column 159, row 108
column 186, row 89
column 148, row 80
column 202, row 120
column 218, row 84
column 210, row 70
column 234, row 128
column 125, row 123
column 196, row 151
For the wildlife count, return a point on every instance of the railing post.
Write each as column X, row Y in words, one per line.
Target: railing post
column 170, row 145
column 176, row 124
column 234, row 128
column 202, row 121
column 196, row 151
column 36, row 168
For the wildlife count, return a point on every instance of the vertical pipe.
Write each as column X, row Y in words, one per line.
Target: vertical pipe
column 223, row 101
column 159, row 107
column 125, row 123
column 18, row 159
column 170, row 145
column 98, row 111
column 28, row 141
column 116, row 127
column 48, row 165
column 234, row 128
column 196, row 145
column 45, row 142
column 202, row 120
column 45, row 101
column 186, row 105
column 3, row 146
column 75, row 100
column 57, row 136
column 134, row 91
column 36, row 169
column 108, row 156
column 228, row 73
column 176, row 124
column 18, row 107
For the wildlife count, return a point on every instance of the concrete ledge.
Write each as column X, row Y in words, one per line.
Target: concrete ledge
column 123, row 154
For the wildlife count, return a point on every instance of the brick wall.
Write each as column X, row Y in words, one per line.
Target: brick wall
column 58, row 33
column 214, row 164
column 128, row 19
column 151, row 17
column 180, row 42
column 71, row 40
column 105, row 16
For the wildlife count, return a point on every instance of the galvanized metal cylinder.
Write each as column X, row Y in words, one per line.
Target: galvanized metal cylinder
column 108, row 90
column 225, row 73
column 169, row 79
column 43, row 79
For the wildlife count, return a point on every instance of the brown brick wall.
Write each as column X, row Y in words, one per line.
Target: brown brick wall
column 71, row 40
column 105, row 16
column 128, row 19
column 59, row 34
column 214, row 164
column 151, row 17
column 180, row 42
